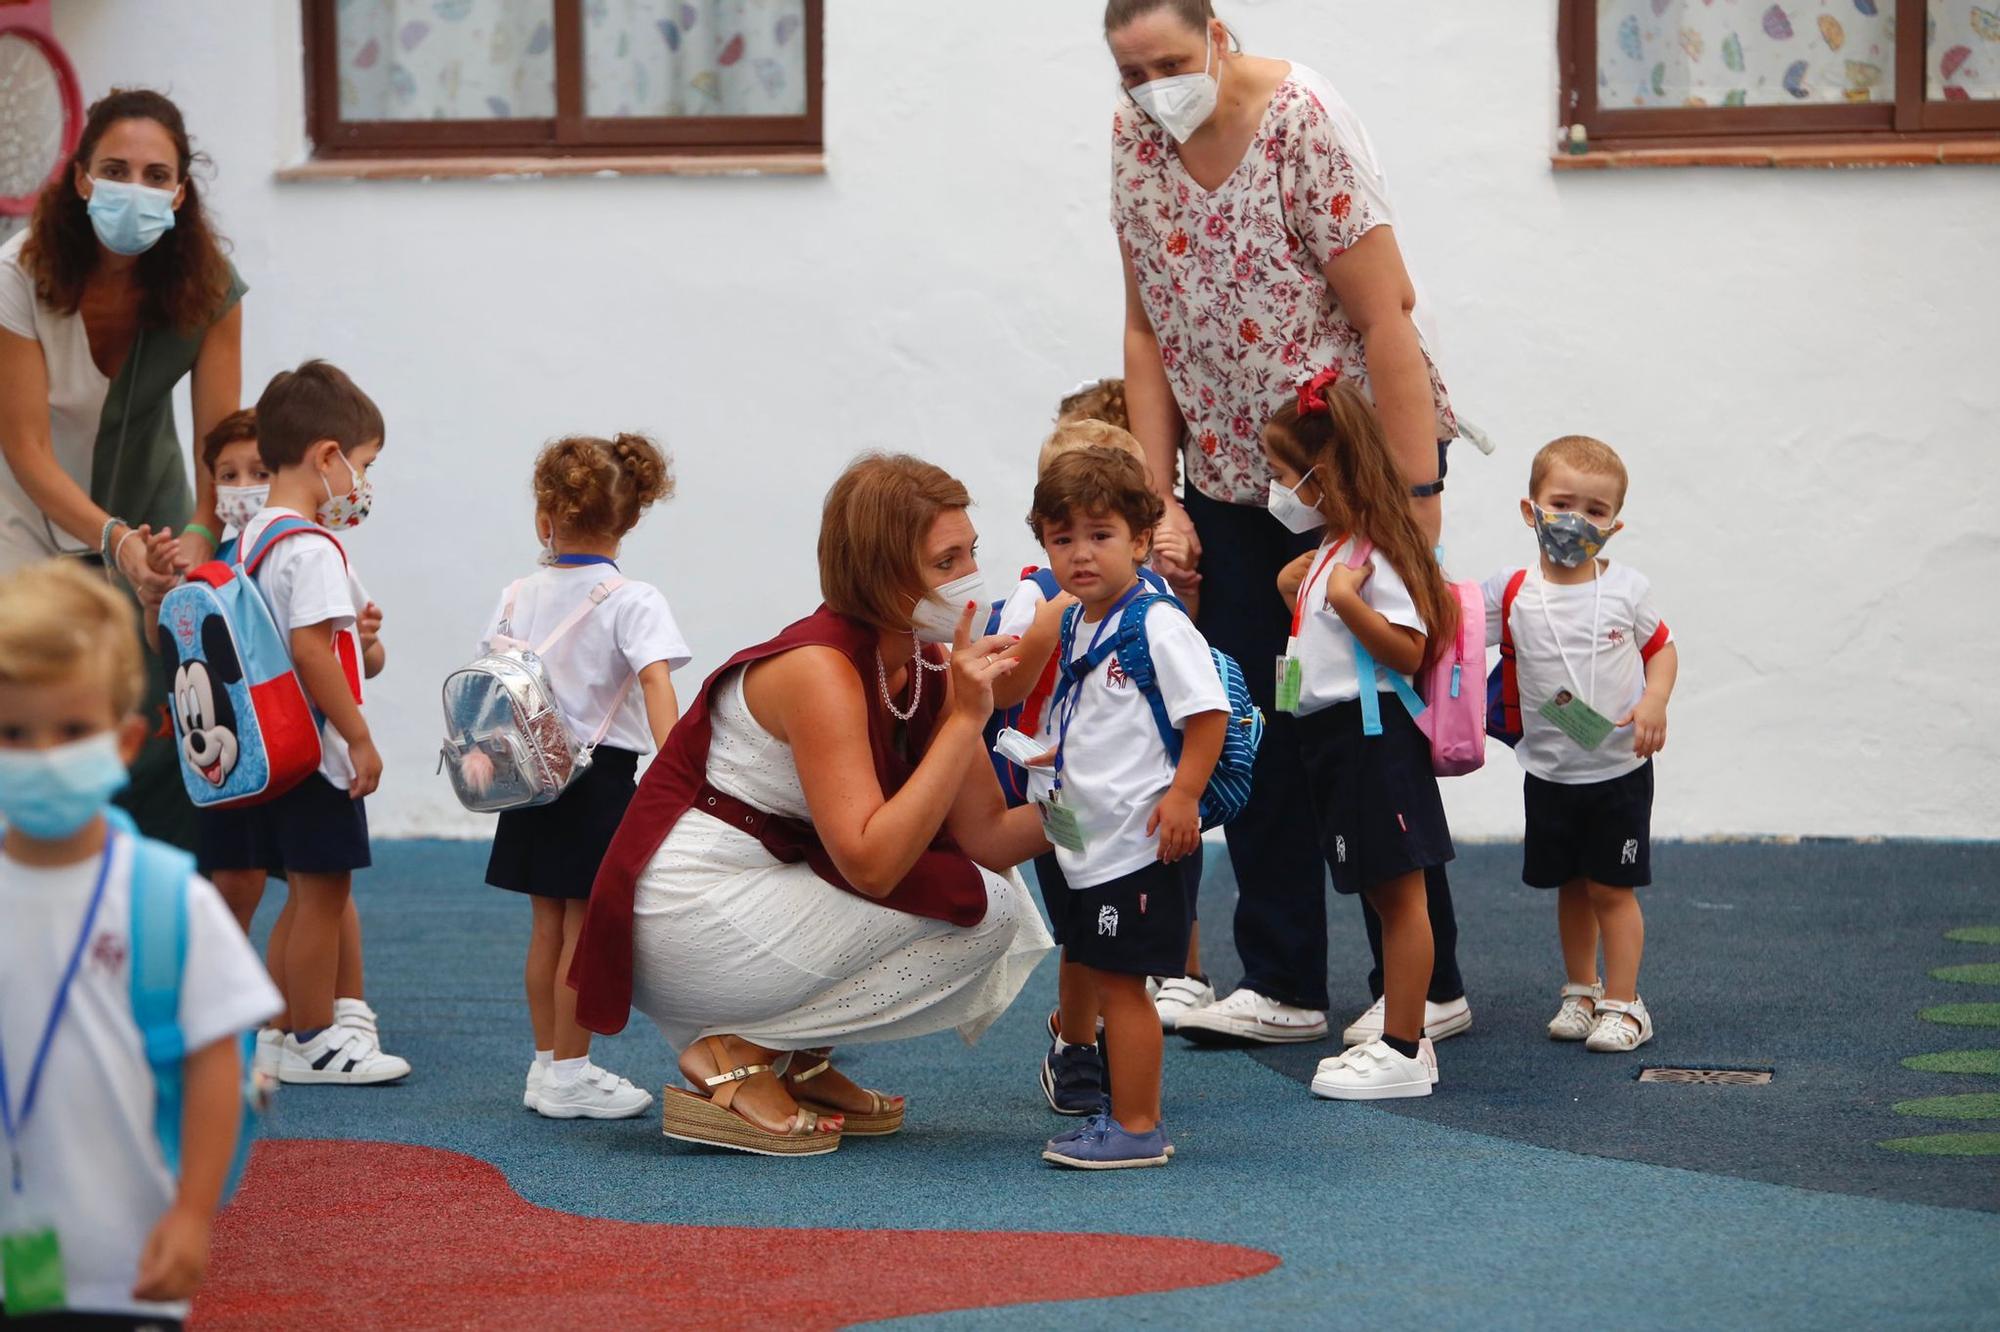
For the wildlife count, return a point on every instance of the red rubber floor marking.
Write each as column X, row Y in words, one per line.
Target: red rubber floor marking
column 368, row 1234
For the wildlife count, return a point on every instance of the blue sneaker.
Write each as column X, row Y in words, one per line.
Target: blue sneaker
column 1103, row 1144
column 1073, row 1080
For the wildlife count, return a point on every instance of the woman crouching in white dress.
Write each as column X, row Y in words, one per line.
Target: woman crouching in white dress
column 821, row 853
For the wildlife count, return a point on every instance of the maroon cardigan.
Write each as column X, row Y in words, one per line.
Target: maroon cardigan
column 943, row 885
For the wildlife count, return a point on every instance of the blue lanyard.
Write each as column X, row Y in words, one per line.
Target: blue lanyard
column 1067, row 712
column 582, row 561
column 13, row 1125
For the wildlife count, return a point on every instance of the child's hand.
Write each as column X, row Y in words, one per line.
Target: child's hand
column 1176, row 550
column 1345, row 584
column 369, row 626
column 1178, row 822
column 367, row 761
column 1293, row 577
column 164, row 554
column 175, row 1257
column 1649, row 727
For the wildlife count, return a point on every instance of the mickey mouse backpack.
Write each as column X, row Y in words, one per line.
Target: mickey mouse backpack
column 243, row 726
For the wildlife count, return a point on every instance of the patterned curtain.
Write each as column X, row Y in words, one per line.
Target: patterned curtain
column 1964, row 58
column 446, row 59
column 1674, row 53
column 495, row 59
column 695, row 57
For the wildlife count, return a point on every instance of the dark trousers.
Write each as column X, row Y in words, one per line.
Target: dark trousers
column 1273, row 846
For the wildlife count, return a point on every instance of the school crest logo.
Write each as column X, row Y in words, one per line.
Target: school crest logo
column 107, row 953
column 1107, row 922
column 1114, row 675
column 1340, row 850
column 1630, row 855
column 1615, row 637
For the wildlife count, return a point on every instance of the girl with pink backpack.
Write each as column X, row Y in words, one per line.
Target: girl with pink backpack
column 1374, row 614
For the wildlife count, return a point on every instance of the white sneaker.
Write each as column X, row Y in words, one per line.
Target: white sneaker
column 1249, row 1016
column 1179, row 996
column 1441, row 1021
column 1374, row 1072
column 356, row 1015
column 1578, row 1014
column 270, row 1048
column 594, row 1093
column 338, row 1055
column 1613, row 1034
column 538, row 1076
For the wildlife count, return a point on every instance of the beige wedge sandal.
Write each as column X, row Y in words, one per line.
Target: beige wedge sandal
column 706, row 1118
column 883, row 1117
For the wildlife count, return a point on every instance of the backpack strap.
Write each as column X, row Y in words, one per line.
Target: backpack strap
column 598, row 596
column 1135, row 655
column 253, row 556
column 1368, row 673
column 1045, row 579
column 1510, row 679
column 159, row 930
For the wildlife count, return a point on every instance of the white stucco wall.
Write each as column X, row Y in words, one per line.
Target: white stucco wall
column 1799, row 367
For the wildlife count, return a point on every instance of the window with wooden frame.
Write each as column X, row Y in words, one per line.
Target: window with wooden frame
column 1717, row 73
column 558, row 78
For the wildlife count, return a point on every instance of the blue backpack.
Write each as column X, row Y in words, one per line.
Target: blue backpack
column 1228, row 789
column 1026, row 716
column 159, row 930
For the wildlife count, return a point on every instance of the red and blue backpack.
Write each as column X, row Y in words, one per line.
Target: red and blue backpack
column 243, row 726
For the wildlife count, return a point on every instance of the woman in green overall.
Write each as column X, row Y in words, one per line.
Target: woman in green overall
column 115, row 292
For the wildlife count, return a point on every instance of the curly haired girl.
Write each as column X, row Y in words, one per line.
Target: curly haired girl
column 612, row 671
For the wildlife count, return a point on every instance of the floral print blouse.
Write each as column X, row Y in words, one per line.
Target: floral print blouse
column 1233, row 278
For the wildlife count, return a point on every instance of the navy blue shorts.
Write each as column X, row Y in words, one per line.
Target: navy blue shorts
column 1601, row 831
column 311, row 829
column 1137, row 925
column 1375, row 798
column 554, row 850
column 1056, row 890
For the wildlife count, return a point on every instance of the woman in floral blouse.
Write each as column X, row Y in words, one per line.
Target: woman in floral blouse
column 1259, row 251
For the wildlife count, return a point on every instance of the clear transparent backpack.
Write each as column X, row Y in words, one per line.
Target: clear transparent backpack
column 507, row 744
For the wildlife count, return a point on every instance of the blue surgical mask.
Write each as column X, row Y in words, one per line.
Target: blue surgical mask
column 1570, row 540
column 50, row 794
column 128, row 218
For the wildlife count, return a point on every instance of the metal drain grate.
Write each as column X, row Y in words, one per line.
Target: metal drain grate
column 1709, row 1077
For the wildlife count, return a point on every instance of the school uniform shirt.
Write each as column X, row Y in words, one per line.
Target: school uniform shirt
column 1115, row 766
column 632, row 630
column 1329, row 673
column 90, row 1158
column 305, row 581
column 1613, row 640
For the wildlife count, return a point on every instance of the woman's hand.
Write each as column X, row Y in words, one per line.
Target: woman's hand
column 1176, row 545
column 133, row 554
column 975, row 665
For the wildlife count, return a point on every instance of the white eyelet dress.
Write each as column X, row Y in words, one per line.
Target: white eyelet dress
column 726, row 940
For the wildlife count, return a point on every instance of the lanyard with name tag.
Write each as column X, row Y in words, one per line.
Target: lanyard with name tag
column 31, row 1266
column 1292, row 666
column 1567, row 712
column 1059, row 819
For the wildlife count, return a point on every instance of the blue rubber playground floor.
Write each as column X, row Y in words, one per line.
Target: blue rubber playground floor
column 1540, row 1187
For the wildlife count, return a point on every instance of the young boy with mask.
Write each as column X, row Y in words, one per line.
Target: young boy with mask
column 318, row 434
column 1593, row 667
column 230, row 848
column 94, row 1225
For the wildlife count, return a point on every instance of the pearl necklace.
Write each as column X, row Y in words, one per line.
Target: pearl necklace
column 917, row 687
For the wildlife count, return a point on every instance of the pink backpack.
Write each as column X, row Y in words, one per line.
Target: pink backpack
column 1449, row 702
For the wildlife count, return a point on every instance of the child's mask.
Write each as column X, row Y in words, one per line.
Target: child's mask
column 50, row 794
column 1569, row 539
column 1285, row 505
column 338, row 512
column 237, row 505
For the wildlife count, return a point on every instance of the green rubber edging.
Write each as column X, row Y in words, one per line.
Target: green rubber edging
column 1947, row 1144
column 1975, row 934
column 1956, row 1061
column 1978, row 973
column 1978, row 1105
column 1963, row 1015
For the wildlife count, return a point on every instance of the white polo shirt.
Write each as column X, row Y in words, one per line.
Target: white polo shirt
column 1326, row 645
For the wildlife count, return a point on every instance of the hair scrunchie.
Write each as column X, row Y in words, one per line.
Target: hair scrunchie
column 1312, row 393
